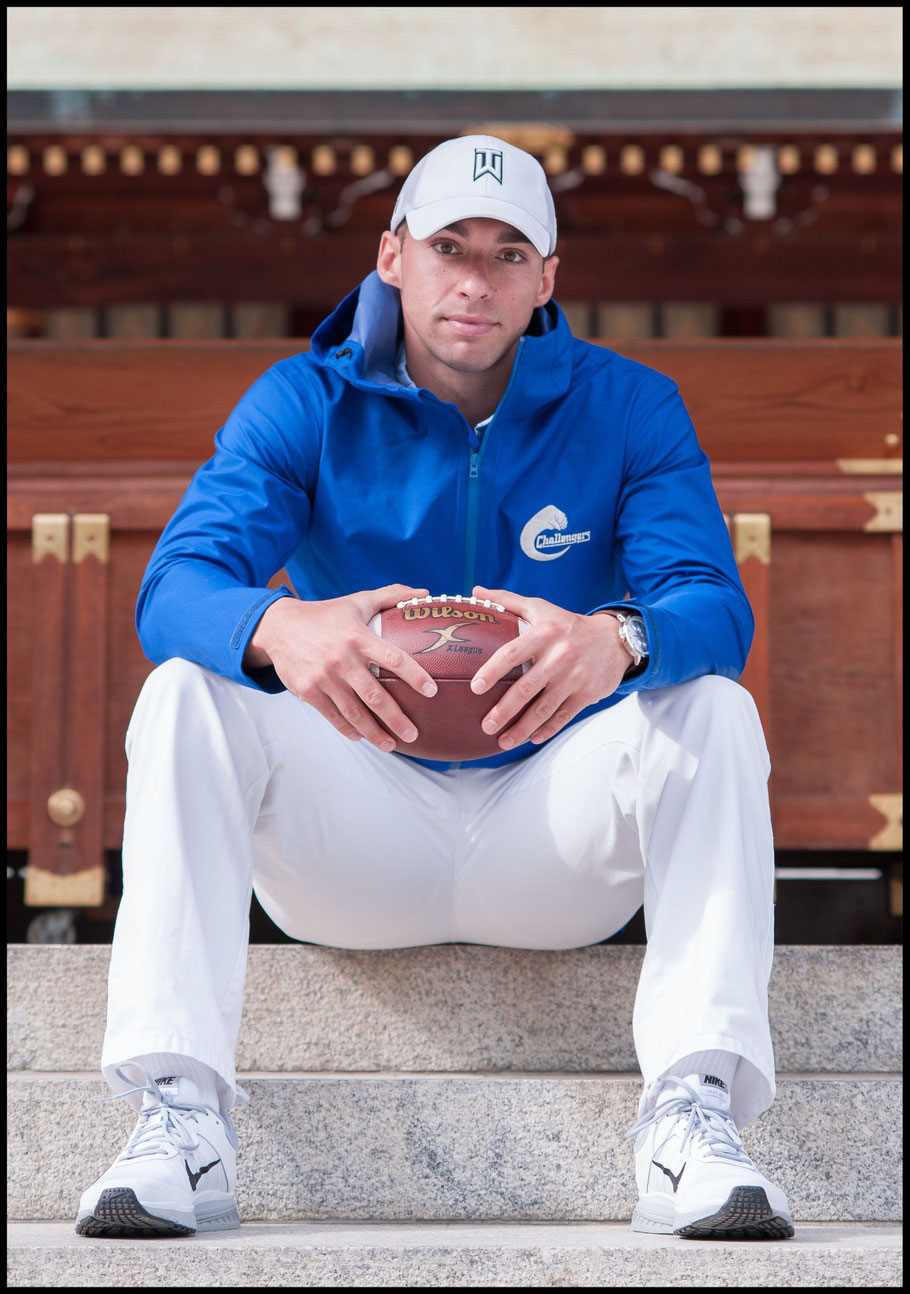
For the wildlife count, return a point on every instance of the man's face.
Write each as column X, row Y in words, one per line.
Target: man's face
column 467, row 292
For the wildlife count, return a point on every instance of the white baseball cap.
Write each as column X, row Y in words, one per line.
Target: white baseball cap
column 478, row 175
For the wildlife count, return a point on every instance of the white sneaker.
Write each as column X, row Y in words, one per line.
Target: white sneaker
column 694, row 1177
column 176, row 1174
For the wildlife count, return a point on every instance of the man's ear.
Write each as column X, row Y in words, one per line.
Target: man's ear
column 548, row 281
column 388, row 262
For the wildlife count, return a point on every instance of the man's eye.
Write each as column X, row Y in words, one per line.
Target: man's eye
column 512, row 255
column 445, row 247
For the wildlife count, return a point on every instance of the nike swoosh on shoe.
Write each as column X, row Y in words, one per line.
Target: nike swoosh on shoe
column 194, row 1177
column 675, row 1180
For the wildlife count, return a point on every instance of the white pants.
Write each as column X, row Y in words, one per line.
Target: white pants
column 660, row 800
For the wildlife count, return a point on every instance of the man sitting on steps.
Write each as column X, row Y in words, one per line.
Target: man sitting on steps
column 443, row 407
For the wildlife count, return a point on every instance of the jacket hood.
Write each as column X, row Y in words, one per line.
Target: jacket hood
column 360, row 339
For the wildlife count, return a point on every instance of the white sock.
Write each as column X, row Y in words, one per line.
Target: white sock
column 162, row 1063
column 720, row 1065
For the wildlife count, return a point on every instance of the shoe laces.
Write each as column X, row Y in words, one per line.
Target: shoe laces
column 162, row 1126
column 710, row 1130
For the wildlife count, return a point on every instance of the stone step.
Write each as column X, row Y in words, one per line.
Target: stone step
column 460, row 1007
column 508, row 1147
column 44, row 1255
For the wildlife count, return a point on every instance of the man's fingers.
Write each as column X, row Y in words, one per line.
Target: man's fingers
column 386, row 654
column 511, row 601
column 542, row 721
column 353, row 720
column 522, row 692
column 329, row 710
column 402, row 665
column 389, row 596
column 324, row 658
column 547, row 712
column 508, row 657
column 557, row 721
column 354, row 706
column 378, row 705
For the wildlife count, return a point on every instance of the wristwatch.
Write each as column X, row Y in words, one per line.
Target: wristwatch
column 632, row 635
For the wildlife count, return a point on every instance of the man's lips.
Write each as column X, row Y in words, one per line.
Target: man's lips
column 469, row 325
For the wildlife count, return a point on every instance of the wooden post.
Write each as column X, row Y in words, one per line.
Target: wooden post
column 66, row 861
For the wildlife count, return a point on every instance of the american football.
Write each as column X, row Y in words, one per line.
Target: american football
column 451, row 637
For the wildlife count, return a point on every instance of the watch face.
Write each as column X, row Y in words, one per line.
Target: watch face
column 636, row 636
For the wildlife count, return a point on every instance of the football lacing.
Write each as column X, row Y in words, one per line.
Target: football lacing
column 457, row 597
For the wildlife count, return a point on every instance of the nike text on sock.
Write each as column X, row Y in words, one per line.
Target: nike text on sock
column 719, row 1064
column 162, row 1065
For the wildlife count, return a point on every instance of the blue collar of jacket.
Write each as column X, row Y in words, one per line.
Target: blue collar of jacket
column 359, row 340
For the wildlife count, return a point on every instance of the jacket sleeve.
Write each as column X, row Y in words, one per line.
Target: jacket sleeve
column 675, row 548
column 242, row 516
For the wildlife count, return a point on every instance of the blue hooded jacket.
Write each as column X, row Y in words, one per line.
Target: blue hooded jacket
column 588, row 488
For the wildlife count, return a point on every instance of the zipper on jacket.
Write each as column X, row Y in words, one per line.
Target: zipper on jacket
column 475, row 459
column 470, row 550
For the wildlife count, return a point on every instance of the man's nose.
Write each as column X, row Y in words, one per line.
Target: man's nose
column 475, row 281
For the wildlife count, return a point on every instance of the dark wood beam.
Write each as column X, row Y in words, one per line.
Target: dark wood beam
column 47, row 271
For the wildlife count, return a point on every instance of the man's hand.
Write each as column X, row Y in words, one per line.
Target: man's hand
column 322, row 651
column 578, row 660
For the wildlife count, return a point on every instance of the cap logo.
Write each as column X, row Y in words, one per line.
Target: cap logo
column 487, row 162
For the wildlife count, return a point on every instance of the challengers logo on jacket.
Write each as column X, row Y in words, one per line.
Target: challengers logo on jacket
column 542, row 538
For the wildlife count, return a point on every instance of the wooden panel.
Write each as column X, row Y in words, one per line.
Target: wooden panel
column 751, row 401
column 834, row 688
column 834, row 680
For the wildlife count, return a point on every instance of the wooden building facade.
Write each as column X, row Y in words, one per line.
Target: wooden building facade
column 165, row 248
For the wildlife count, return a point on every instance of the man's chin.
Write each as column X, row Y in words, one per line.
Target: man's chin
column 473, row 356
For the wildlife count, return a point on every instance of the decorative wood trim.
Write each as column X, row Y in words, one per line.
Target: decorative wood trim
column 889, row 510
column 752, row 537
column 870, row 466
column 891, row 835
column 50, row 889
column 50, row 536
column 91, row 537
